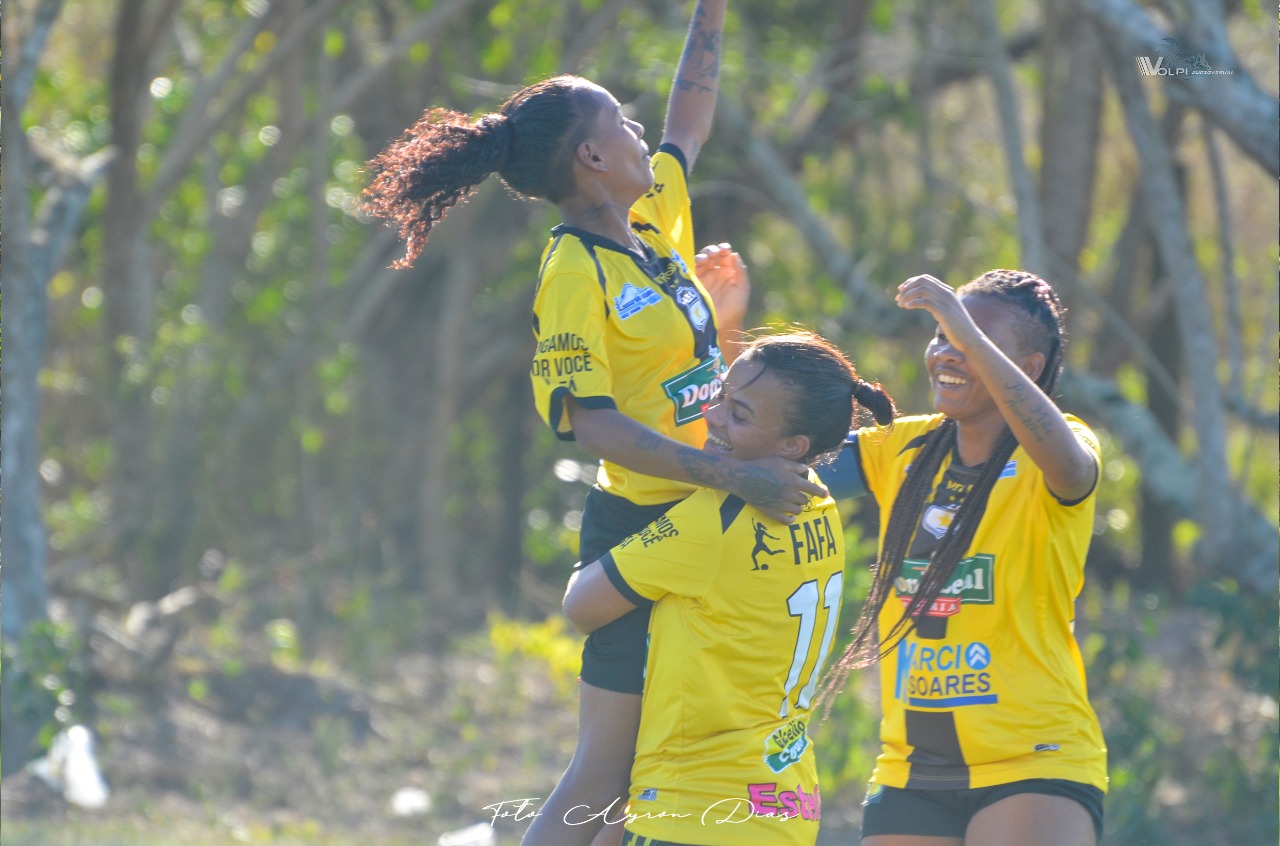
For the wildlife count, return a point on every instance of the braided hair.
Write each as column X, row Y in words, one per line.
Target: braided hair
column 824, row 386
column 442, row 159
column 1039, row 326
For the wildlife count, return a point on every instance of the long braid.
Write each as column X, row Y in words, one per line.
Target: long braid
column 1043, row 329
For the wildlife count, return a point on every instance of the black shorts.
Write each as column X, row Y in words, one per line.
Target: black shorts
column 946, row 813
column 613, row 656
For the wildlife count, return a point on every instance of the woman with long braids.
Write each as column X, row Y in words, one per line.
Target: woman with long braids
column 628, row 341
column 987, row 511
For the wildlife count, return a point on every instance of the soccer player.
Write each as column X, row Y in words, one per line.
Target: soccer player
column 986, row 511
column 629, row 344
column 739, row 629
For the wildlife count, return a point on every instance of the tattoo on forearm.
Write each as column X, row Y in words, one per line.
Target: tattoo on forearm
column 648, row 440
column 1031, row 413
column 700, row 64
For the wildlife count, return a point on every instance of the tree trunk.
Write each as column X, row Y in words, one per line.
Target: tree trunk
column 129, row 305
column 1069, row 135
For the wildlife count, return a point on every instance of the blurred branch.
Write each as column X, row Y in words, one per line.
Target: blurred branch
column 27, row 44
column 425, row 25
column 203, row 117
column 1231, row 101
column 943, row 70
column 1030, row 228
column 1167, row 218
column 1250, row 553
column 1227, row 254
column 791, row 202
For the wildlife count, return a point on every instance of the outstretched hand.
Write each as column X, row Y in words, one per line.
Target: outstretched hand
column 778, row 487
column 940, row 300
column 721, row 271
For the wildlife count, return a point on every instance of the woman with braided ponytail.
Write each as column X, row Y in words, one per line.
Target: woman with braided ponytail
column 987, row 511
column 628, row 342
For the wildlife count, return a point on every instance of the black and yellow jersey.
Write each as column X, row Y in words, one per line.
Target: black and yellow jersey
column 990, row 686
column 745, row 612
column 636, row 333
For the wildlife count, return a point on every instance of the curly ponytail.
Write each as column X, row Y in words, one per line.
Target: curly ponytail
column 442, row 159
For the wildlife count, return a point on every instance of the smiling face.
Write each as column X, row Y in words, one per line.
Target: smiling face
column 957, row 391
column 615, row 149
column 747, row 420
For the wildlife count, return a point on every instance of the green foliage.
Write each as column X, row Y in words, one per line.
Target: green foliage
column 548, row 643
column 44, row 678
column 1175, row 779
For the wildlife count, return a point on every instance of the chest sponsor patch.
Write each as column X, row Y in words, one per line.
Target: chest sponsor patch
column 631, row 300
column 971, row 583
column 944, row 676
column 694, row 388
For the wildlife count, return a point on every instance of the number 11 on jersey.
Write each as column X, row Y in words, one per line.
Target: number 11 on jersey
column 803, row 603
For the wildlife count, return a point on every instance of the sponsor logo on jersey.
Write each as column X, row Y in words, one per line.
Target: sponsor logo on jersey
column 787, row 745
column 937, row 519
column 1048, row 747
column 691, row 301
column 972, row 583
column 649, row 794
column 694, row 388
column 632, row 300
column 946, row 676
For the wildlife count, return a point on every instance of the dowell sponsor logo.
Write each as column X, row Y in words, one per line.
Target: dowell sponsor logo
column 971, row 583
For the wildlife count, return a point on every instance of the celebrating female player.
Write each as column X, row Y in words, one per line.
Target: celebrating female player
column 986, row 515
column 628, row 351
column 740, row 629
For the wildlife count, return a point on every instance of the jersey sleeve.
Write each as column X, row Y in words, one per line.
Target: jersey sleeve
column 666, row 206
column 571, row 358
column 1088, row 440
column 679, row 553
column 843, row 474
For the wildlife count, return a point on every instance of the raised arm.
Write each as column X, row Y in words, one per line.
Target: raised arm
column 697, row 81
column 1070, row 470
column 776, row 486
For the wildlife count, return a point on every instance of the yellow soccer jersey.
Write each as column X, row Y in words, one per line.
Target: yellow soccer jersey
column 746, row 609
column 615, row 330
column 990, row 686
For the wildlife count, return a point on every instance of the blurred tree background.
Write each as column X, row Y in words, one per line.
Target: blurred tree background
column 241, row 453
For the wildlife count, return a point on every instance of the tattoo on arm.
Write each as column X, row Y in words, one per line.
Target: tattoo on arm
column 701, row 60
column 1033, row 415
column 648, row 440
